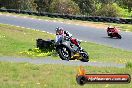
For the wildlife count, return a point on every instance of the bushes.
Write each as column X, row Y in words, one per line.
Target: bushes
column 108, row 11
column 109, row 8
column 86, row 6
column 64, row 7
column 28, row 5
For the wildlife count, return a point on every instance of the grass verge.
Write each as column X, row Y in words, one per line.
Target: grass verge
column 16, row 41
column 24, row 75
column 103, row 53
column 102, row 25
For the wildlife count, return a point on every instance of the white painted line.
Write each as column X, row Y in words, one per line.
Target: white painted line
column 39, row 19
column 50, row 33
column 17, row 26
column 36, row 30
column 7, row 15
column 61, row 22
column 32, row 18
column 33, row 29
column 22, row 27
column 12, row 25
column 24, row 17
column 28, row 28
column 68, row 23
column 127, row 31
column 54, row 21
column 14, row 16
column 43, row 31
column 76, row 24
column 46, row 20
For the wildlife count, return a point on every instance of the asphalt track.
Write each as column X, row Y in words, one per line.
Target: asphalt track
column 48, row 60
column 90, row 34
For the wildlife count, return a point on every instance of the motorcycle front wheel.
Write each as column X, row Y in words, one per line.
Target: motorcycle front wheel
column 64, row 53
column 119, row 36
column 85, row 56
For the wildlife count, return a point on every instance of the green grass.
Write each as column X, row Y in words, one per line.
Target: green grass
column 129, row 64
column 16, row 41
column 21, row 42
column 25, row 75
column 124, row 27
column 103, row 53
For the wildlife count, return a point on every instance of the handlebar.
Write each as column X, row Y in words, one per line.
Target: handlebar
column 67, row 38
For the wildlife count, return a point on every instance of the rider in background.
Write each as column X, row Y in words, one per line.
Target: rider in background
column 111, row 29
column 60, row 33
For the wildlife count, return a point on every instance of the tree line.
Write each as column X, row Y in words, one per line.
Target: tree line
column 110, row 8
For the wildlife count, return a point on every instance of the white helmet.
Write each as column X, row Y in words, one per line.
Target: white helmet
column 59, row 28
column 110, row 27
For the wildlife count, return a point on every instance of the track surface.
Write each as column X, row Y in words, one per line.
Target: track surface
column 52, row 61
column 81, row 32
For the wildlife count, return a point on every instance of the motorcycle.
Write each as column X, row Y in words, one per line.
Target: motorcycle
column 113, row 32
column 69, row 51
column 65, row 49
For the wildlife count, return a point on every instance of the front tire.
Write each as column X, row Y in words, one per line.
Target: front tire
column 119, row 36
column 109, row 33
column 64, row 52
column 85, row 56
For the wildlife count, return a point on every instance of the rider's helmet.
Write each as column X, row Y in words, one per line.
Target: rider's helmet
column 110, row 27
column 59, row 30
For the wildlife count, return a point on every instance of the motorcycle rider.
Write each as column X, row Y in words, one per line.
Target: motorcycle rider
column 110, row 30
column 60, row 33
